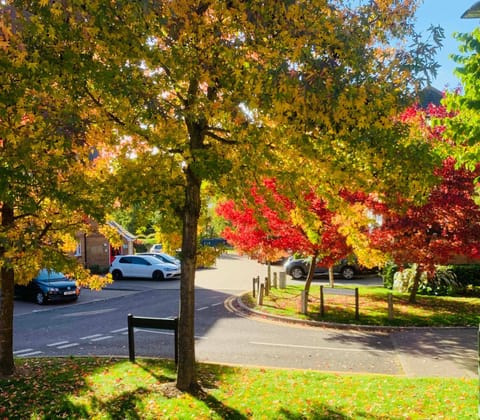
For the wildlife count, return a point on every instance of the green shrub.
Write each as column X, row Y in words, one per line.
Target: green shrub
column 387, row 273
column 403, row 279
column 443, row 283
column 467, row 274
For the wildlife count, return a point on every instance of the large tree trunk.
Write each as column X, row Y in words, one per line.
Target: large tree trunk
column 186, row 372
column 7, row 283
column 186, row 375
column 416, row 283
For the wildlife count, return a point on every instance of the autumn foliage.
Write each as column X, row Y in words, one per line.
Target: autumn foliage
column 270, row 223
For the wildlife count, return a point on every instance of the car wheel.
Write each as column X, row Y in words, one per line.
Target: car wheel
column 117, row 275
column 297, row 273
column 348, row 272
column 40, row 298
column 158, row 276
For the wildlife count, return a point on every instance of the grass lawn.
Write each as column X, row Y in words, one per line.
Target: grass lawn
column 373, row 307
column 99, row 388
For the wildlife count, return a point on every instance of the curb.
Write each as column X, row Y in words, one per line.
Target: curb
column 235, row 304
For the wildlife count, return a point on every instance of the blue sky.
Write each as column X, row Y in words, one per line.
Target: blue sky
column 446, row 13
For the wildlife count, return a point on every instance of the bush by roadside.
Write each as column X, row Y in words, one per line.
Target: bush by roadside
column 449, row 280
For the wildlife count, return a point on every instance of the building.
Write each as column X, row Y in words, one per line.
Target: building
column 95, row 251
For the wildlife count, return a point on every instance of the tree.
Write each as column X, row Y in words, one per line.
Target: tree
column 447, row 224
column 271, row 222
column 48, row 179
column 462, row 127
column 219, row 92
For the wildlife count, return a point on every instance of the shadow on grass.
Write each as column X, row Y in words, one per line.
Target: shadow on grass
column 321, row 412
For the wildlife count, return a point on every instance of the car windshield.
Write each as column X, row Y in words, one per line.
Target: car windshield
column 50, row 275
column 168, row 258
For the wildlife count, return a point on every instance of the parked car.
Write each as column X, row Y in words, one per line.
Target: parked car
column 162, row 257
column 142, row 266
column 298, row 268
column 214, row 242
column 49, row 286
column 156, row 248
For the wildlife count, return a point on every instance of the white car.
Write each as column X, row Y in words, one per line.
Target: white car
column 162, row 257
column 142, row 266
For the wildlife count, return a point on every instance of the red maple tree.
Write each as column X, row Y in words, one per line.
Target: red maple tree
column 263, row 227
column 447, row 225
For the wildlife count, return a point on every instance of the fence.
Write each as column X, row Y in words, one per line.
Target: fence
column 338, row 291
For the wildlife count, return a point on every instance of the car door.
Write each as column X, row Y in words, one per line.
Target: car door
column 125, row 265
column 141, row 267
column 320, row 269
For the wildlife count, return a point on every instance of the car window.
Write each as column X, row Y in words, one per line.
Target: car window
column 125, row 260
column 49, row 275
column 168, row 258
column 140, row 261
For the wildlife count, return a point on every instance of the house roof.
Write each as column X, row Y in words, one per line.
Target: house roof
column 473, row 12
column 430, row 95
column 124, row 233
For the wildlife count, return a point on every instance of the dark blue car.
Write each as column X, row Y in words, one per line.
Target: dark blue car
column 49, row 286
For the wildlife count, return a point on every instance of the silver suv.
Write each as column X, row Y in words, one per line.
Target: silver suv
column 298, row 268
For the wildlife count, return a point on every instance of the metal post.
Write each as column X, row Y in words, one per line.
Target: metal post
column 176, row 341
column 131, row 339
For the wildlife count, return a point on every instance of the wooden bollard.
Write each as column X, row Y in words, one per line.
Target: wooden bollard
column 304, row 302
column 267, row 286
column 260, row 295
column 275, row 284
column 390, row 306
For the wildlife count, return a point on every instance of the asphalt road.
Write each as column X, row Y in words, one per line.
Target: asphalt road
column 97, row 325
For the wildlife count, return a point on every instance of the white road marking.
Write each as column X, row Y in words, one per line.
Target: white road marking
column 259, row 343
column 33, row 353
column 88, row 337
column 119, row 330
column 66, row 346
column 197, row 337
column 202, row 308
column 22, row 351
column 105, row 337
column 85, row 313
column 58, row 343
column 217, row 304
column 154, row 332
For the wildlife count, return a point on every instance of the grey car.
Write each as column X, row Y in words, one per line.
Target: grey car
column 298, row 268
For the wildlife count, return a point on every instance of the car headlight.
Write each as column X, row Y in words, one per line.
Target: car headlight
column 53, row 289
